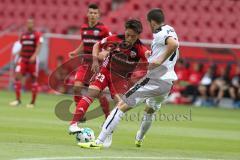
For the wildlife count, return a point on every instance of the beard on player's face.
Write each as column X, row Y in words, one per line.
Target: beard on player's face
column 131, row 36
column 154, row 25
column 30, row 28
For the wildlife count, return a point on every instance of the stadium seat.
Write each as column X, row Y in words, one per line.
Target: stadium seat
column 208, row 16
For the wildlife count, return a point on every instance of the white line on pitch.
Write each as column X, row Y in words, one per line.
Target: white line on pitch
column 150, row 158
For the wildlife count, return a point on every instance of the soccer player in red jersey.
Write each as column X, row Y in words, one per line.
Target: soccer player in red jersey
column 27, row 62
column 91, row 33
column 125, row 53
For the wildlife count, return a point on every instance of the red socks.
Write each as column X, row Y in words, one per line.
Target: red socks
column 105, row 105
column 77, row 99
column 84, row 103
column 34, row 92
column 81, row 109
column 17, row 87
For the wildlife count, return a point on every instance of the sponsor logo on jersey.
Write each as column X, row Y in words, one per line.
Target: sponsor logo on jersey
column 96, row 32
column 27, row 42
column 133, row 54
column 90, row 41
column 32, row 36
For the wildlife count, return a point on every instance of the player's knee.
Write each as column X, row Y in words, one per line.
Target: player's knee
column 33, row 79
column 93, row 92
column 77, row 87
column 117, row 98
column 123, row 106
column 149, row 110
column 18, row 76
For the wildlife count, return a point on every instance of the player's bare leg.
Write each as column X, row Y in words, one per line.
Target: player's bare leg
column 145, row 125
column 17, row 87
column 117, row 98
column 104, row 104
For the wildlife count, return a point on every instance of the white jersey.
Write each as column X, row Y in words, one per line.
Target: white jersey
column 166, row 71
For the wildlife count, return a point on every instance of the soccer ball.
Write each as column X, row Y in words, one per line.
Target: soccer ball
column 87, row 135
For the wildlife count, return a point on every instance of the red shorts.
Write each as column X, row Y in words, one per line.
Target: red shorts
column 84, row 73
column 25, row 67
column 116, row 84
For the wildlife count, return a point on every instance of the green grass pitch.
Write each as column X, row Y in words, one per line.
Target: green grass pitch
column 37, row 134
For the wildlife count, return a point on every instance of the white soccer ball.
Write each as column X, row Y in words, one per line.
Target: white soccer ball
column 87, row 135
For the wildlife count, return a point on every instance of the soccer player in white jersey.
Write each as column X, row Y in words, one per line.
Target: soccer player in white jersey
column 153, row 88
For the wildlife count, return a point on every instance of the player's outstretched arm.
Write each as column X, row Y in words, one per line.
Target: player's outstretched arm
column 95, row 53
column 172, row 46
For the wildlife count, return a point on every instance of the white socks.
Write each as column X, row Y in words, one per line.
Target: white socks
column 114, row 118
column 110, row 124
column 145, row 125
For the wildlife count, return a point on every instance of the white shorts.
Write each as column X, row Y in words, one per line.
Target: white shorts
column 150, row 91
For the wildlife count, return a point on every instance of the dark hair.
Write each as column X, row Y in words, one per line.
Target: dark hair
column 156, row 15
column 93, row 6
column 135, row 25
column 227, row 71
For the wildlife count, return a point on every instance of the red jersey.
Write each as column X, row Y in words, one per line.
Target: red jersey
column 91, row 35
column 123, row 59
column 29, row 42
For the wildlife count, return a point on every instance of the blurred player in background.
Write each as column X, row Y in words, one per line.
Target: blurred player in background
column 152, row 88
column 27, row 62
column 120, row 62
column 91, row 32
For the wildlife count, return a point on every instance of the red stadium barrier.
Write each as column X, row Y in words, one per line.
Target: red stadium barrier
column 61, row 45
column 6, row 43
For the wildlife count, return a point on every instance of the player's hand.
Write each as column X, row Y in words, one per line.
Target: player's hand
column 148, row 53
column 72, row 54
column 95, row 66
column 32, row 59
column 103, row 54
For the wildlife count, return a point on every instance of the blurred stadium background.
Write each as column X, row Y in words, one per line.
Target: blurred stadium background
column 210, row 40
column 207, row 29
